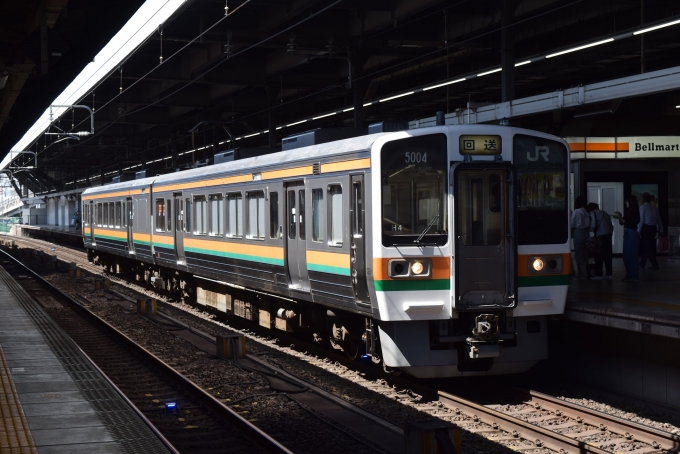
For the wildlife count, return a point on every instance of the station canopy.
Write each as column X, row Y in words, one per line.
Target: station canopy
column 165, row 85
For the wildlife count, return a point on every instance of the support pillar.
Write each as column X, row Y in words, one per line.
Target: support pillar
column 508, row 51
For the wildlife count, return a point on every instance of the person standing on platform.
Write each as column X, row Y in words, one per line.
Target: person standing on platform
column 631, row 241
column 601, row 225
column 580, row 224
column 648, row 227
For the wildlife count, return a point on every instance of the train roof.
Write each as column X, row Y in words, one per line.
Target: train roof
column 125, row 185
column 324, row 150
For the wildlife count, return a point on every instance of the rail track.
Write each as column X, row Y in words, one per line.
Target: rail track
column 190, row 419
column 527, row 421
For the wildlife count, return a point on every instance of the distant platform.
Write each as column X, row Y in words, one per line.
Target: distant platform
column 649, row 306
column 52, row 399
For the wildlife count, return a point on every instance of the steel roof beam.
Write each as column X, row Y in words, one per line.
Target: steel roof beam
column 626, row 87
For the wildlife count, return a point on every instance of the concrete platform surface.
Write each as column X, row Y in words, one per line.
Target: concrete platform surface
column 58, row 229
column 52, row 400
column 651, row 305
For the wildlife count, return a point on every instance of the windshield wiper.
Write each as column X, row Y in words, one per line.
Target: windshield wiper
column 429, row 226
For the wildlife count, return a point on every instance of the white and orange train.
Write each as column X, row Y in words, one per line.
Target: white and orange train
column 438, row 251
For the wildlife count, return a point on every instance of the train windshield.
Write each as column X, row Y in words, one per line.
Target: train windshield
column 542, row 193
column 414, row 173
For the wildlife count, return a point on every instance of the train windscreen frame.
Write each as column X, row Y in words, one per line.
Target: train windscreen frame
column 542, row 190
column 414, row 174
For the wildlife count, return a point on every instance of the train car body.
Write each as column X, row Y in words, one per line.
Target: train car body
column 440, row 251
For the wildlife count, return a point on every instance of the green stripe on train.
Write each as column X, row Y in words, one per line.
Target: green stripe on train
column 165, row 246
column 249, row 258
column 328, row 269
column 412, row 285
column 542, row 281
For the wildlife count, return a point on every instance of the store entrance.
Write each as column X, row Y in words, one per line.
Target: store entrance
column 609, row 197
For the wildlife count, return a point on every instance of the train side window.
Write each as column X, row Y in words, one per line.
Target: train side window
column 106, row 214
column 132, row 213
column 317, row 214
column 291, row 215
column 216, row 214
column 168, row 213
column 160, row 215
column 85, row 212
column 111, row 215
column 187, row 216
column 302, row 218
column 117, row 220
column 99, row 215
column 255, row 215
column 123, row 213
column 335, row 212
column 273, row 214
column 201, row 215
column 235, row 215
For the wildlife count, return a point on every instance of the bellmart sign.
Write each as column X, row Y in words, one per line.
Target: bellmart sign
column 624, row 147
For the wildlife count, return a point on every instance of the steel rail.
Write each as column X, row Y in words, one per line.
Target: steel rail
column 541, row 437
column 269, row 443
column 630, row 430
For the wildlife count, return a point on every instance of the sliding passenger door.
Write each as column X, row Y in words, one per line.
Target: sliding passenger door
column 296, row 236
column 129, row 215
column 179, row 229
column 357, row 242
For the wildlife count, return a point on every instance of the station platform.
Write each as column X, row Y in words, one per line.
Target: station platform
column 651, row 305
column 52, row 399
column 61, row 233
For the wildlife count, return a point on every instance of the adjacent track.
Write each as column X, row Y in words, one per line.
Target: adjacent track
column 198, row 423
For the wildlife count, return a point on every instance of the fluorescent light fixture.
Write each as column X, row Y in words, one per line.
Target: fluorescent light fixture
column 252, row 135
column 397, row 96
column 445, row 83
column 323, row 116
column 348, row 110
column 296, row 123
column 490, row 72
column 265, row 132
column 677, row 107
column 279, row 127
column 585, row 46
column 522, row 63
column 368, row 104
column 140, row 26
column 656, row 27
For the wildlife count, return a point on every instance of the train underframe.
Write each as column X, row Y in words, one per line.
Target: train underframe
column 468, row 345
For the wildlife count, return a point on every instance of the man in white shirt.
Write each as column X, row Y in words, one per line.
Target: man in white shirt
column 580, row 225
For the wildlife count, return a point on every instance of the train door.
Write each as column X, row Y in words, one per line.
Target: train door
column 357, row 242
column 92, row 218
column 296, row 236
column 179, row 228
column 485, row 249
column 130, row 214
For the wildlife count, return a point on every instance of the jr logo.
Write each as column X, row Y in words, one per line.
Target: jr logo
column 542, row 151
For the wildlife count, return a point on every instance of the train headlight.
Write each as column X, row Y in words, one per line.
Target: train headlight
column 538, row 264
column 417, row 268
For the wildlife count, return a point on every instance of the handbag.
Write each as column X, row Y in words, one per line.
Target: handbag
column 594, row 244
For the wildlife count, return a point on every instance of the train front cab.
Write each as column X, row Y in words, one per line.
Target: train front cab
column 471, row 254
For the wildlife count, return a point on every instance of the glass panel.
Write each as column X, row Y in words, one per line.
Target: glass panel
column 216, row 214
column 358, row 227
column 317, row 214
column 335, row 234
column 112, row 214
column 106, row 214
column 201, row 207
column 273, row 214
column 117, row 221
column 541, row 165
column 302, row 214
column 179, row 214
column 160, row 215
column 479, row 226
column 123, row 214
column 260, row 216
column 132, row 213
column 252, row 215
column 187, row 216
column 235, row 225
column 99, row 215
column 414, row 190
column 291, row 215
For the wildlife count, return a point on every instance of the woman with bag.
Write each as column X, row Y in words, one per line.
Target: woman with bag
column 603, row 229
column 580, row 225
column 631, row 240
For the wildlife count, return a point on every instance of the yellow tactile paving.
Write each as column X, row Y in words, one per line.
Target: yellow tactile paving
column 15, row 436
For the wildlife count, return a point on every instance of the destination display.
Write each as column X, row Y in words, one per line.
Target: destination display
column 480, row 145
